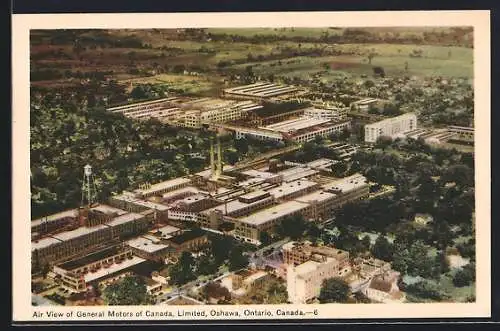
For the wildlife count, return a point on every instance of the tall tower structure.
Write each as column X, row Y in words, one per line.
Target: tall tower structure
column 212, row 157
column 219, row 158
column 89, row 192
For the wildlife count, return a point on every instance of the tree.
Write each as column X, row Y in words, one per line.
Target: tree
column 220, row 246
column 231, row 156
column 264, row 238
column 334, row 290
column 292, row 226
column 441, row 264
column 464, row 276
column 276, row 292
column 383, row 142
column 382, row 249
column 371, row 55
column 206, row 265
column 236, row 259
column 241, row 145
column 129, row 291
column 183, row 271
column 215, row 290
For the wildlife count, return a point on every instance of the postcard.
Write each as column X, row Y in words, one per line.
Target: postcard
column 251, row 166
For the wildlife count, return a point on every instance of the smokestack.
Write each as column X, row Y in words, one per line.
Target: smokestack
column 219, row 157
column 212, row 158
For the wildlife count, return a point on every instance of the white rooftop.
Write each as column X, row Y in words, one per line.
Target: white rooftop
column 273, row 213
column 104, row 272
column 297, row 173
column 306, row 267
column 317, row 196
column 255, row 276
column 44, row 242
column 168, row 229
column 295, row 124
column 81, row 231
column 286, row 189
column 126, row 218
column 146, row 245
column 181, row 191
column 259, row 174
column 347, row 184
column 164, row 185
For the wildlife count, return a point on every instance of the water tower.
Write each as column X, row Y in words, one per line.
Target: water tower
column 89, row 192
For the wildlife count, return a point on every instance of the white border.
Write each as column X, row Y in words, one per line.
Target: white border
column 480, row 20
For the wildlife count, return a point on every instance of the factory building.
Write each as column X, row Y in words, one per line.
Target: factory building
column 97, row 227
column 77, row 274
column 262, row 91
column 391, row 127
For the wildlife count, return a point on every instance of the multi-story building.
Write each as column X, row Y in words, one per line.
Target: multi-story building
column 295, row 253
column 249, row 227
column 96, row 229
column 304, row 281
column 192, row 240
column 390, row 127
column 261, row 91
column 330, row 113
column 77, row 274
column 150, row 248
column 462, row 133
column 210, row 111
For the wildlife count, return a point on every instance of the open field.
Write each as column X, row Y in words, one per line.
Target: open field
column 190, row 84
column 393, row 58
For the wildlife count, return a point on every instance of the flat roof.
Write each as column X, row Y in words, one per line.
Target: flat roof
column 55, row 217
column 273, row 213
column 164, row 185
column 146, row 245
column 393, row 119
column 90, row 258
column 233, row 206
column 295, row 124
column 321, row 163
column 318, row 196
column 108, row 209
column 145, row 203
column 260, row 174
column 291, row 187
column 104, row 272
column 194, row 198
column 126, row 218
column 187, row 235
column 81, row 231
column 347, row 184
column 306, row 267
column 168, row 229
column 173, row 194
column 297, row 172
column 44, row 242
column 255, row 194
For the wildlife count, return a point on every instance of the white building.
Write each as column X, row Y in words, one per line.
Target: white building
column 304, row 281
column 391, row 127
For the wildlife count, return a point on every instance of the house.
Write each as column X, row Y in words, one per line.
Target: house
column 384, row 288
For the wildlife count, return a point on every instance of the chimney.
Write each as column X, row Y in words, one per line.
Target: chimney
column 212, row 158
column 219, row 157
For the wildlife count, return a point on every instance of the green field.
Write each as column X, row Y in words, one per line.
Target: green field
column 434, row 62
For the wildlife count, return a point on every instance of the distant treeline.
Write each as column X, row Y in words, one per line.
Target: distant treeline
column 454, row 37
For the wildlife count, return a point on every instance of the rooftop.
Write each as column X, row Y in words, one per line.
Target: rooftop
column 146, row 245
column 393, row 119
column 347, row 184
column 316, row 196
column 292, row 125
column 125, row 218
column 114, row 268
column 262, row 89
column 44, row 242
column 54, row 217
column 81, row 231
column 273, row 213
column 91, row 258
column 187, row 236
column 291, row 187
column 163, row 186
